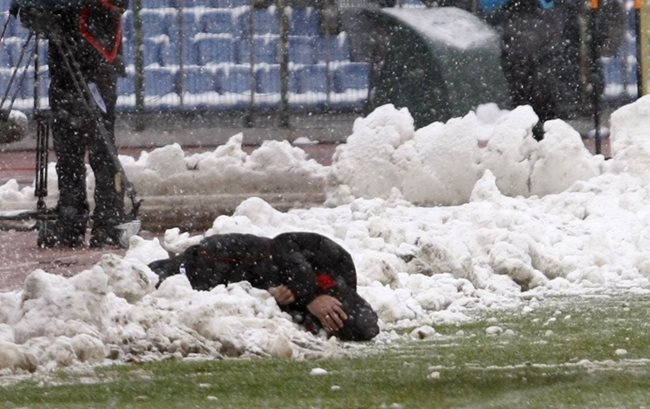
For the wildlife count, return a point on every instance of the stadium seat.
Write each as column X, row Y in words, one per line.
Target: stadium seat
column 6, row 58
column 12, row 48
column 159, row 4
column 350, row 76
column 199, row 80
column 13, row 24
column 190, row 53
column 191, row 25
column 236, row 79
column 336, row 48
column 128, row 30
column 231, row 3
column 5, row 77
column 170, row 54
column 266, row 21
column 126, row 85
column 304, row 22
column 267, row 50
column 26, row 84
column 216, row 21
column 152, row 52
column 188, row 4
column 159, row 81
column 267, row 79
column 156, row 22
column 302, row 50
column 128, row 52
column 312, row 78
column 211, row 49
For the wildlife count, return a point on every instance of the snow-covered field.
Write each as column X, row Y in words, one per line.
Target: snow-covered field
column 457, row 216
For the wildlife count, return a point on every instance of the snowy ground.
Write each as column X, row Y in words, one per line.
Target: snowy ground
column 468, row 214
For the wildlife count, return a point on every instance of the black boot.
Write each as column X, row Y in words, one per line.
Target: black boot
column 68, row 230
column 106, row 236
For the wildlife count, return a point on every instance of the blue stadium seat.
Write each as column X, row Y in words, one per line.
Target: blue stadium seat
column 158, row 4
column 302, row 50
column 232, row 3
column 191, row 22
column 267, row 79
column 336, row 48
column 236, row 79
column 199, row 3
column 351, row 76
column 4, row 6
column 159, row 81
column 12, row 48
column 5, row 77
column 190, row 53
column 128, row 30
column 42, row 52
column 304, row 22
column 19, row 30
column 26, row 85
column 13, row 24
column 216, row 21
column 199, row 80
column 126, row 85
column 294, row 85
column 312, row 78
column 156, row 22
column 128, row 51
column 214, row 50
column 171, row 54
column 267, row 50
column 6, row 57
column 152, row 50
column 266, row 21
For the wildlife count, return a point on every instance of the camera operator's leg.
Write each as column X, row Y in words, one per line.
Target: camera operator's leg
column 109, row 192
column 69, row 145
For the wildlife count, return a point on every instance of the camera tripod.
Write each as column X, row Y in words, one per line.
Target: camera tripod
column 92, row 105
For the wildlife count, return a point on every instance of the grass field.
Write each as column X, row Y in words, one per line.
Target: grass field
column 571, row 352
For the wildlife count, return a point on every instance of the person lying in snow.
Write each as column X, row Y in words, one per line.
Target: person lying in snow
column 310, row 276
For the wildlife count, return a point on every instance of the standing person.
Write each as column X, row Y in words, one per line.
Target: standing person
column 540, row 54
column 310, row 276
column 85, row 37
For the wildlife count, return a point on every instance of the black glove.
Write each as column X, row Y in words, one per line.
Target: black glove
column 14, row 7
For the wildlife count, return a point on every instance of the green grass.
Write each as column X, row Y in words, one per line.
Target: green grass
column 563, row 355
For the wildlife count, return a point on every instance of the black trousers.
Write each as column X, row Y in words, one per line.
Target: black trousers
column 75, row 134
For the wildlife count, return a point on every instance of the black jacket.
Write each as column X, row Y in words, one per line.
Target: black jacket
column 308, row 263
column 93, row 27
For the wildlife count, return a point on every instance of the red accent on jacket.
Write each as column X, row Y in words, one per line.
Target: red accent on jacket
column 325, row 281
column 111, row 54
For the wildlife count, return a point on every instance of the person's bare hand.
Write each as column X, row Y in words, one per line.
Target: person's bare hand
column 282, row 294
column 329, row 312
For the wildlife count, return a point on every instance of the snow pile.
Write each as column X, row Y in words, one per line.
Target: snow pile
column 114, row 312
column 275, row 166
column 417, row 266
column 630, row 127
column 440, row 163
column 383, row 157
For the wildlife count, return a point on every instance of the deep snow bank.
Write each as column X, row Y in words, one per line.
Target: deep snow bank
column 439, row 164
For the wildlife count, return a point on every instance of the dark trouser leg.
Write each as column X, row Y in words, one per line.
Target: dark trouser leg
column 109, row 195
column 166, row 267
column 69, row 140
